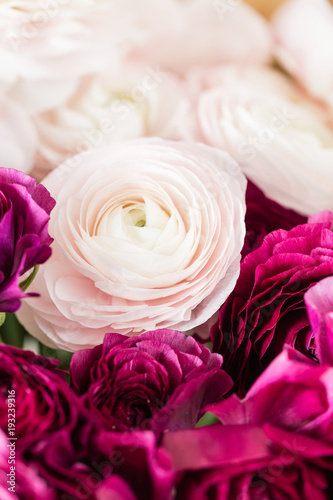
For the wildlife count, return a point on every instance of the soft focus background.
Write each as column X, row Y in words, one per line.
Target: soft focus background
column 267, row 7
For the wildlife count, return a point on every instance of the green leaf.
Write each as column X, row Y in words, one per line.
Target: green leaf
column 207, row 419
column 12, row 333
column 48, row 352
column 63, row 356
column 2, row 318
column 27, row 282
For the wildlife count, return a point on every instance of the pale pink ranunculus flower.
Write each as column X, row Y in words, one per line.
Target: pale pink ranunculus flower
column 148, row 235
column 105, row 108
column 180, row 35
column 45, row 45
column 303, row 39
column 18, row 137
column 282, row 140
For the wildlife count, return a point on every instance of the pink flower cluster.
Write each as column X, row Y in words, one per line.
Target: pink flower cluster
column 127, row 427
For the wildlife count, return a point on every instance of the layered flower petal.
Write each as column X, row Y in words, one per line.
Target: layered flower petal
column 151, row 238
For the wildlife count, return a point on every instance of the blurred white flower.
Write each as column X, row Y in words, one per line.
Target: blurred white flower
column 303, row 32
column 18, row 137
column 107, row 108
column 46, row 44
column 180, row 35
column 282, row 140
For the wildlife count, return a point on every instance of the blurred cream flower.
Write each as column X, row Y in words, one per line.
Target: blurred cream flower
column 107, row 108
column 282, row 140
column 303, row 31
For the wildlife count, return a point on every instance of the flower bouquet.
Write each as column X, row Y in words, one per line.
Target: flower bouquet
column 166, row 250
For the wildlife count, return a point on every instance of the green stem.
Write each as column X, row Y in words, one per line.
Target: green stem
column 12, row 333
column 27, row 282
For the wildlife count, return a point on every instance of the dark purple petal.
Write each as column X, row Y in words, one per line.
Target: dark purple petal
column 24, row 239
column 160, row 380
column 263, row 216
column 44, row 401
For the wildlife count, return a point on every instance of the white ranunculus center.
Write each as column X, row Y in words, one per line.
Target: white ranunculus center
column 136, row 217
column 141, row 222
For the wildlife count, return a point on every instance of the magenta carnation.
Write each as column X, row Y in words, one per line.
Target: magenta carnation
column 160, row 380
column 24, row 240
column 266, row 309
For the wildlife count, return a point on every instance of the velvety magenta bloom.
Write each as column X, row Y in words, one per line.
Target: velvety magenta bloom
column 136, row 459
column 24, row 240
column 160, row 380
column 43, row 401
column 266, row 309
column 251, row 463
column 263, row 216
column 293, row 393
column 70, row 463
column 18, row 481
column 116, row 488
column 319, row 305
column 275, row 444
column 105, row 466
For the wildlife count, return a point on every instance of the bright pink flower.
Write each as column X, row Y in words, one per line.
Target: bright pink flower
column 228, row 462
column 266, row 309
column 293, row 393
column 319, row 305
